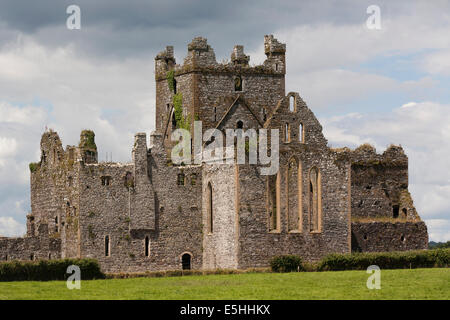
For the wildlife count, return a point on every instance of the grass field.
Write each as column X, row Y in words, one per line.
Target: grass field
column 395, row 284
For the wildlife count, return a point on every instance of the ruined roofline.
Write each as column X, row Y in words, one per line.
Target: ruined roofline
column 201, row 57
column 366, row 154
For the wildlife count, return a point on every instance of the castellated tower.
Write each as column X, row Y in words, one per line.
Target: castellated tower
column 207, row 90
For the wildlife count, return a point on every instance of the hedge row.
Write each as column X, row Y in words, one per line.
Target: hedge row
column 45, row 270
column 439, row 258
column 387, row 260
column 286, row 263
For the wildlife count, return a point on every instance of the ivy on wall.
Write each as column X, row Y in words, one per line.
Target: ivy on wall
column 170, row 76
column 182, row 122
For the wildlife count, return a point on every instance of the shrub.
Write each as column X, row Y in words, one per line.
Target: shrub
column 46, row 270
column 286, row 263
column 386, row 260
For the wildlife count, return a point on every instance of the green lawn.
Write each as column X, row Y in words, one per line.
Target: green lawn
column 395, row 284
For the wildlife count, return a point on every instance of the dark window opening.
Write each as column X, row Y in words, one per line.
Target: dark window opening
column 395, row 210
column 147, row 246
column 186, row 261
column 49, row 256
column 174, row 122
column 402, row 238
column 215, row 114
column 264, row 115
column 238, row 83
column 174, row 86
column 107, row 246
column 239, row 124
column 31, row 256
column 106, row 181
column 405, row 212
column 210, row 208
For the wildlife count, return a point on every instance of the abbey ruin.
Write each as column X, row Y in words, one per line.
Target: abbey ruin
column 151, row 214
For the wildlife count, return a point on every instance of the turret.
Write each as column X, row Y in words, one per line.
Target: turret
column 88, row 148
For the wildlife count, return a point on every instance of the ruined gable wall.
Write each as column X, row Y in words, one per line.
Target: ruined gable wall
column 257, row 244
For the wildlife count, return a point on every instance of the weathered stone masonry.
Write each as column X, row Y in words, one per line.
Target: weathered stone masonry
column 150, row 214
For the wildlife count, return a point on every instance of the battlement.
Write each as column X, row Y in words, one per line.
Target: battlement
column 201, row 57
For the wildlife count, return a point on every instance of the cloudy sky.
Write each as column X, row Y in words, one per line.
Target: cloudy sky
column 377, row 86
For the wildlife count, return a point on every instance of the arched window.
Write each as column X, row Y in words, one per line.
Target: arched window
column 107, row 247
column 210, row 208
column 273, row 201
column 239, row 125
column 294, row 200
column 291, row 104
column 287, row 132
column 314, row 200
column 147, row 246
column 186, row 261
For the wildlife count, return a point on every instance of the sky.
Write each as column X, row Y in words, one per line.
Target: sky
column 378, row 86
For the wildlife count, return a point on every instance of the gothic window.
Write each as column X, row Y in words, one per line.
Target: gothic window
column 147, row 246
column 273, row 195
column 291, row 104
column 287, row 132
column 210, row 213
column 107, row 246
column 314, row 200
column 294, row 204
column 238, row 83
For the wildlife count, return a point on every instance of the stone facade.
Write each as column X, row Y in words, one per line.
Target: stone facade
column 150, row 214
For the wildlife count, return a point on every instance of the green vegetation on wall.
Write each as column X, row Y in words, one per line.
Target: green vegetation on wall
column 34, row 166
column 182, row 122
column 87, row 140
column 170, row 76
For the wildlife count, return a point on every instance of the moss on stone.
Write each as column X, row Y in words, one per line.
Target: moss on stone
column 87, row 140
column 34, row 166
column 170, row 77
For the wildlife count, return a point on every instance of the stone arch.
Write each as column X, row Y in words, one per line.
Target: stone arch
column 294, row 194
column 314, row 200
column 186, row 260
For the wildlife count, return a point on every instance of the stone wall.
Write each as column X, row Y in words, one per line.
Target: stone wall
column 389, row 236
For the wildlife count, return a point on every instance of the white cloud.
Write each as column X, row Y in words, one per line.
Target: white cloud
column 438, row 229
column 10, row 227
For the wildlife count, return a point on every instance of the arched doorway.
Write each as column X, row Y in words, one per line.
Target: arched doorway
column 186, row 261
